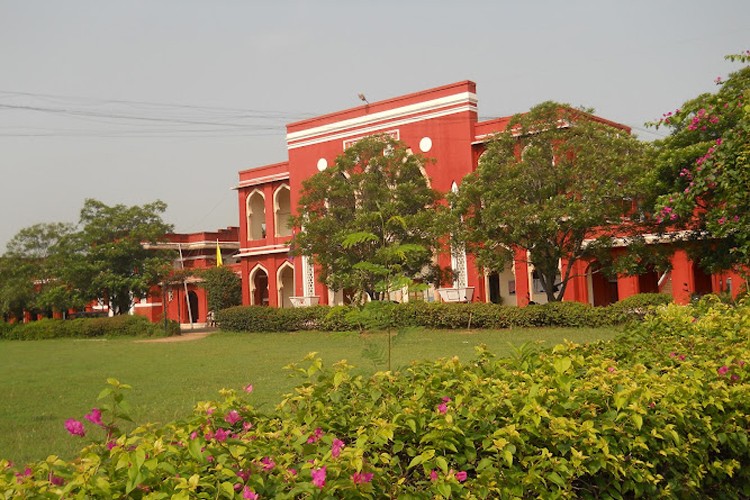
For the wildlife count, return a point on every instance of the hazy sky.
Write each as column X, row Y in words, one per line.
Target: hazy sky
column 133, row 101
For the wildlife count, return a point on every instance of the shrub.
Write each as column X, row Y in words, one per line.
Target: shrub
column 116, row 326
column 429, row 315
column 661, row 412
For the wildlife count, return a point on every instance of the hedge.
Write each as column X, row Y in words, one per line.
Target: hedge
column 439, row 315
column 116, row 326
column 660, row 412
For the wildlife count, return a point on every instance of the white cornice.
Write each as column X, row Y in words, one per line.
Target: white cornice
column 384, row 119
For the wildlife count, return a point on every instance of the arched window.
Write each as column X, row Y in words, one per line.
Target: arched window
column 256, row 216
column 282, row 207
column 285, row 281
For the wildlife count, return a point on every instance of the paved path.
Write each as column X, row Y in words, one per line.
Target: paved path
column 186, row 336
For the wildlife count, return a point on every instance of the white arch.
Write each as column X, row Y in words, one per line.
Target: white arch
column 256, row 222
column 282, row 210
column 283, row 290
column 251, row 278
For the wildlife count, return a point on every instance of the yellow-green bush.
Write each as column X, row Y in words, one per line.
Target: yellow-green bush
column 661, row 412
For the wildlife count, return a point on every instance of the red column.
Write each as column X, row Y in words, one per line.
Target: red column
column 683, row 283
column 627, row 286
column 521, row 268
column 576, row 290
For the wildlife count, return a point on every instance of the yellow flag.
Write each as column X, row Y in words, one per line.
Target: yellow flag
column 219, row 261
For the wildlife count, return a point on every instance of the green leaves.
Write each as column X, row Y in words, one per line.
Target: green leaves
column 369, row 221
column 661, row 410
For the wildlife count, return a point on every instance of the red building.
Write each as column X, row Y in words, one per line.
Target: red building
column 442, row 124
column 183, row 299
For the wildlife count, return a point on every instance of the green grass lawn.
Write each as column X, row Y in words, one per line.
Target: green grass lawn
column 42, row 383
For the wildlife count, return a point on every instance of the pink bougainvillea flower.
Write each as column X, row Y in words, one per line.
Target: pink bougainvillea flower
column 75, row 427
column 723, row 370
column 268, row 463
column 292, row 471
column 315, row 436
column 246, row 426
column 210, row 411
column 111, row 444
column 237, row 486
column 611, row 369
column 193, row 434
column 433, row 475
column 221, row 435
column 232, row 417
column 319, row 477
column 461, row 476
column 56, row 480
column 248, row 388
column 249, row 494
column 95, row 417
column 336, row 448
column 446, row 399
column 734, row 377
column 442, row 408
column 362, row 477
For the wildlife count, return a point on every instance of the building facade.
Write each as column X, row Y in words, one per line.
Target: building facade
column 442, row 124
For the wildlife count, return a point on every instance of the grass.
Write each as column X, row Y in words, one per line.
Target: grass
column 42, row 383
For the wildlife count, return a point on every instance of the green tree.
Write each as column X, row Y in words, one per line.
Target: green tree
column 558, row 183
column 704, row 166
column 223, row 287
column 369, row 220
column 107, row 258
column 31, row 270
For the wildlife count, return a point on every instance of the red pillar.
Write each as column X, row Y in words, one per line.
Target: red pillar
column 683, row 283
column 521, row 268
column 576, row 290
column 627, row 286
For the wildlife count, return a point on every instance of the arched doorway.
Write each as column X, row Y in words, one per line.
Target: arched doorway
column 602, row 288
column 192, row 311
column 259, row 287
column 285, row 280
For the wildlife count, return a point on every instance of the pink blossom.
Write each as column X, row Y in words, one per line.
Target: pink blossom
column 315, row 436
column 111, row 444
column 268, row 463
column 446, row 399
column 292, row 471
column 221, row 435
column 319, row 477
column 442, row 408
column 232, row 417
column 734, row 377
column 336, row 448
column 433, row 475
column 237, row 486
column 461, row 476
column 717, row 81
column 248, row 388
column 95, row 417
column 210, row 411
column 249, row 494
column 246, row 426
column 57, row 481
column 681, row 357
column 721, row 220
column 611, row 369
column 362, row 477
column 75, row 427
column 193, row 435
column 723, row 370
column 243, row 474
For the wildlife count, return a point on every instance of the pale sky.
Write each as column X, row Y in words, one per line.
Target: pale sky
column 133, row 101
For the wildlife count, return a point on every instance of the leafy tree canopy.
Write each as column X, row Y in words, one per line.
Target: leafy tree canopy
column 223, row 287
column 103, row 257
column 368, row 220
column 704, row 165
column 557, row 183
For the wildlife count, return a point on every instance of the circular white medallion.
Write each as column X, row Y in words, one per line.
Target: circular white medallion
column 322, row 164
column 425, row 144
